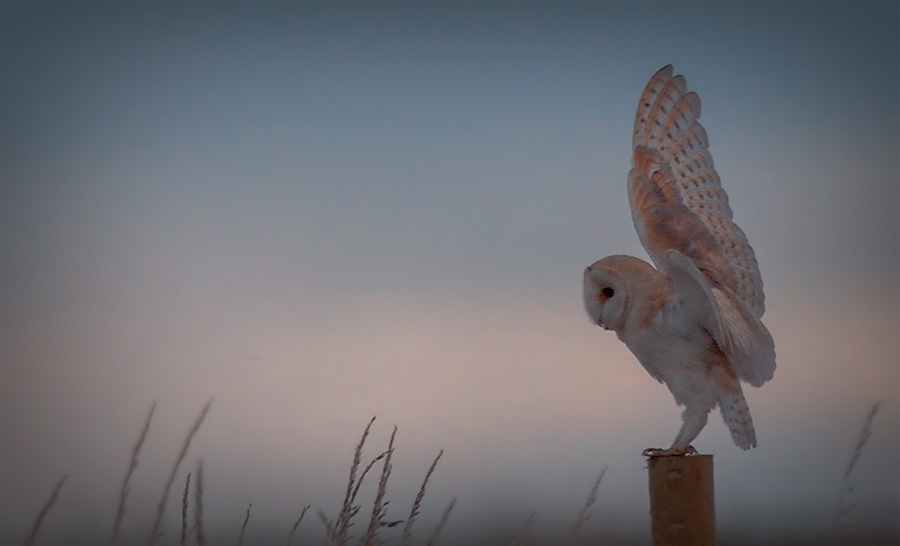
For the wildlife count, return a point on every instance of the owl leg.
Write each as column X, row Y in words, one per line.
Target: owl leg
column 693, row 421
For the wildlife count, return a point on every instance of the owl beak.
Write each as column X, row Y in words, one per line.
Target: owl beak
column 600, row 324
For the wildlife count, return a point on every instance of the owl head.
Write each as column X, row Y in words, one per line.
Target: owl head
column 612, row 286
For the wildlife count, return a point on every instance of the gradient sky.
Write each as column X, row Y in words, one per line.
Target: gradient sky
column 317, row 213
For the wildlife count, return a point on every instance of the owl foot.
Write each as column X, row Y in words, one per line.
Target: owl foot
column 671, row 452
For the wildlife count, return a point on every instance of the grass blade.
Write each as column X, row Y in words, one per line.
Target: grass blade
column 35, row 529
column 132, row 465
column 161, row 508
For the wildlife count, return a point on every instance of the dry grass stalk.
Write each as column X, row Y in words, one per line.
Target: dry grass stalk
column 161, row 508
column 846, row 489
column 184, row 509
column 35, row 529
column 440, row 527
column 244, row 526
column 586, row 513
column 198, row 505
column 330, row 528
column 348, row 510
column 365, row 471
column 132, row 465
column 407, row 529
column 525, row 532
column 379, row 505
column 296, row 523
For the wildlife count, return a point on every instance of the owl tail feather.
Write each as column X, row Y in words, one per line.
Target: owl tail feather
column 736, row 414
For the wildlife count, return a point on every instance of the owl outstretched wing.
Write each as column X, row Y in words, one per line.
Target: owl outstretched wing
column 678, row 204
column 677, row 200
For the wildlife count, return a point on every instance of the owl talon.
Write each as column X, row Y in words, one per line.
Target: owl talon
column 671, row 452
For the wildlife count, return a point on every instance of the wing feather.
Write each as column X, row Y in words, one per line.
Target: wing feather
column 686, row 151
column 690, row 170
column 676, row 195
column 743, row 337
column 665, row 101
column 747, row 342
column 680, row 118
column 648, row 99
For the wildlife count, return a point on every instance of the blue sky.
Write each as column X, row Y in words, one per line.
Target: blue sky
column 316, row 213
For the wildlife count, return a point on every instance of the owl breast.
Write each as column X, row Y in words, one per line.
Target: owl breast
column 681, row 354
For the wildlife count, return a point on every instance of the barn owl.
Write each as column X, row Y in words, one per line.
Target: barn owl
column 693, row 322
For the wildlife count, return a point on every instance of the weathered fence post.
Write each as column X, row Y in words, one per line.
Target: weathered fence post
column 682, row 500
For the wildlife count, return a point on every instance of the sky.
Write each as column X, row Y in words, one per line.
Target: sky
column 317, row 213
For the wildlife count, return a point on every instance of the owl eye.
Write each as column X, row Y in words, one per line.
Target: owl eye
column 608, row 292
